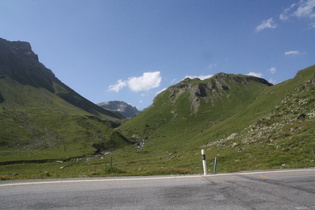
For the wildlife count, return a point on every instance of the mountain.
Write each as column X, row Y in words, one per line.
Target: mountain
column 244, row 121
column 196, row 104
column 19, row 65
column 123, row 108
column 42, row 118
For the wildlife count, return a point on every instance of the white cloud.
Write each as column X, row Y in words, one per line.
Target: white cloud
column 118, row 86
column 292, row 52
column 255, row 74
column 272, row 70
column 303, row 9
column 147, row 81
column 201, row 77
column 269, row 23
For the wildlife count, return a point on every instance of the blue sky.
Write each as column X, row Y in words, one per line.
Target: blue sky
column 130, row 50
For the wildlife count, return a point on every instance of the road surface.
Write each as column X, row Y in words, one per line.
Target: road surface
column 284, row 189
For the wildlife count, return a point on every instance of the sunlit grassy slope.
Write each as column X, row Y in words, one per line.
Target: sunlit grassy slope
column 191, row 107
column 243, row 121
column 247, row 127
column 39, row 126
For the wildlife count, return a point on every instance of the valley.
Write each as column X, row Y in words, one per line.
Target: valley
column 50, row 131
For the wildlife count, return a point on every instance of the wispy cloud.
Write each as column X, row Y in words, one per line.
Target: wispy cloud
column 255, row 74
column 303, row 9
column 292, row 52
column 269, row 23
column 286, row 13
column 272, row 70
column 147, row 81
column 118, row 86
column 201, row 77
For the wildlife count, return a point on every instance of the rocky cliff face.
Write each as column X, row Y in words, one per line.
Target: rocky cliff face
column 20, row 63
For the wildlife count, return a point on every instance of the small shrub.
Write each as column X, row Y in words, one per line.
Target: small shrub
column 113, row 170
column 47, row 174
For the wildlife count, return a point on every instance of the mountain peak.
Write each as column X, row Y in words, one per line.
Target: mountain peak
column 241, row 78
column 21, row 49
column 20, row 63
column 213, row 91
column 125, row 109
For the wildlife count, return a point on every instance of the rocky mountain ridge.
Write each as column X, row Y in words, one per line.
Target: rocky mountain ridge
column 211, row 90
column 192, row 105
column 125, row 109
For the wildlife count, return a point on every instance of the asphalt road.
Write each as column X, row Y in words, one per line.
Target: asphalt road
column 287, row 189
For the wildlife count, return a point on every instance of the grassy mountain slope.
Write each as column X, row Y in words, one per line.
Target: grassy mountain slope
column 275, row 131
column 244, row 121
column 192, row 106
column 272, row 129
column 41, row 118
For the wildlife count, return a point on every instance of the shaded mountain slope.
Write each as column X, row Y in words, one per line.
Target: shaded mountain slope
column 19, row 65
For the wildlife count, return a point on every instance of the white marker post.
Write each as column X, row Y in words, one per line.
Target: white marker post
column 215, row 165
column 204, row 162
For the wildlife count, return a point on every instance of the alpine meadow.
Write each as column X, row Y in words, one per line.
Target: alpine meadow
column 50, row 131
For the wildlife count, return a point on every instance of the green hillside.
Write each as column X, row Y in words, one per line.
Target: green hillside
column 276, row 131
column 48, row 130
column 42, row 119
column 247, row 126
column 192, row 106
